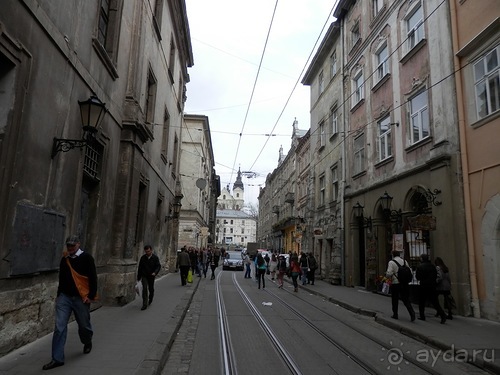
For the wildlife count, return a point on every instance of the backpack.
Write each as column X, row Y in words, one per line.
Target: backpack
column 404, row 276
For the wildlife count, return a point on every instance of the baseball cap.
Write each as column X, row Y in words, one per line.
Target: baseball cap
column 72, row 240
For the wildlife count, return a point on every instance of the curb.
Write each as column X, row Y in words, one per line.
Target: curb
column 478, row 362
column 158, row 354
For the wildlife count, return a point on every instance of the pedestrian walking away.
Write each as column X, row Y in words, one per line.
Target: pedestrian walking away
column 149, row 267
column 183, row 263
column 295, row 271
column 443, row 287
column 248, row 264
column 313, row 265
column 282, row 269
column 273, row 265
column 399, row 289
column 77, row 289
column 261, row 270
column 427, row 276
column 304, row 266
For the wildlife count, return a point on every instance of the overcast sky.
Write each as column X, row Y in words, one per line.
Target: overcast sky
column 228, row 39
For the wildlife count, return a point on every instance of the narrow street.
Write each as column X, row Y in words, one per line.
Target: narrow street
column 232, row 327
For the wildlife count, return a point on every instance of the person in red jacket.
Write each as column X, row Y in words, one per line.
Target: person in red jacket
column 70, row 300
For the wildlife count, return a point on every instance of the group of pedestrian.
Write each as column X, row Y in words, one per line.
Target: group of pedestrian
column 433, row 280
column 197, row 261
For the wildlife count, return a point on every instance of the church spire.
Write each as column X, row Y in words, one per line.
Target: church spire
column 238, row 183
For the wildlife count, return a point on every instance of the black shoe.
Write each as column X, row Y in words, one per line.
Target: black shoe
column 394, row 317
column 421, row 318
column 443, row 319
column 450, row 317
column 52, row 364
column 87, row 348
column 150, row 302
column 144, row 307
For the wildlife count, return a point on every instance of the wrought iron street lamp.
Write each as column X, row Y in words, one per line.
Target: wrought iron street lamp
column 92, row 112
column 176, row 208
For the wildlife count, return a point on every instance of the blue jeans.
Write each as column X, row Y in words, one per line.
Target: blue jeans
column 304, row 275
column 65, row 305
column 248, row 270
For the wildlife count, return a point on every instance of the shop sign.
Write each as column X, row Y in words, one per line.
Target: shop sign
column 423, row 222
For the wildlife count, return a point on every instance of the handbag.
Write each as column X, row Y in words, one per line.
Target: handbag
column 138, row 288
column 190, row 276
column 81, row 282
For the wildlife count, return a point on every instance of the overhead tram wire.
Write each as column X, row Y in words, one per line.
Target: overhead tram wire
column 254, row 85
column 296, row 83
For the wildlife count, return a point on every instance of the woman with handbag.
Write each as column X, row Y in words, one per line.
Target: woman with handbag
column 295, row 271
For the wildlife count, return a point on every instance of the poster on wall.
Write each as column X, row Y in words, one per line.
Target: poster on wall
column 397, row 243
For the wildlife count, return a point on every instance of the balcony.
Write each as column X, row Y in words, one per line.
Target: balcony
column 289, row 197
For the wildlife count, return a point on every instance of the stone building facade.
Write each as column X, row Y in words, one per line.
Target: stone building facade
column 117, row 189
column 198, row 180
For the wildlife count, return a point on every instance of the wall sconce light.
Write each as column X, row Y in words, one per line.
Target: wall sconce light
column 390, row 215
column 176, row 208
column 92, row 112
column 358, row 213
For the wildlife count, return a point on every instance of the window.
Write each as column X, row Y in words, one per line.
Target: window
column 377, row 6
column 358, row 89
column 322, row 135
column 93, row 160
column 335, row 183
column 333, row 64
column 321, row 83
column 415, row 27
column 322, row 190
column 158, row 11
column 108, row 33
column 381, row 57
column 487, row 83
column 359, row 154
column 384, row 139
column 171, row 61
column 150, row 98
column 164, row 136
column 333, row 120
column 355, row 34
column 103, row 22
column 419, row 118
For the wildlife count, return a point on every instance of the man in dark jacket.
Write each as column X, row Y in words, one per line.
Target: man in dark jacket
column 427, row 276
column 72, row 300
column 149, row 267
column 183, row 263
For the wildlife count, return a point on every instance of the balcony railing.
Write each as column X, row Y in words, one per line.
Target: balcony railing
column 289, row 197
column 276, row 209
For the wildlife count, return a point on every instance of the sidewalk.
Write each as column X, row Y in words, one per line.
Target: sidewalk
column 126, row 339
column 130, row 341
column 459, row 334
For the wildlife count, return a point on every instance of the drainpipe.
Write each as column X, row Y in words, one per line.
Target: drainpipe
column 344, row 162
column 476, row 312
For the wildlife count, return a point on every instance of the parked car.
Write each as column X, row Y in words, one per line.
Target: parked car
column 233, row 261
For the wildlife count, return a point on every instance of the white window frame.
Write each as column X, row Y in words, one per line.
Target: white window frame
column 384, row 138
column 415, row 31
column 382, row 62
column 487, row 83
column 334, row 120
column 358, row 88
column 335, row 182
column 377, row 6
column 419, row 124
column 322, row 134
column 355, row 34
column 359, row 154
column 333, row 63
column 322, row 187
column 321, row 82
